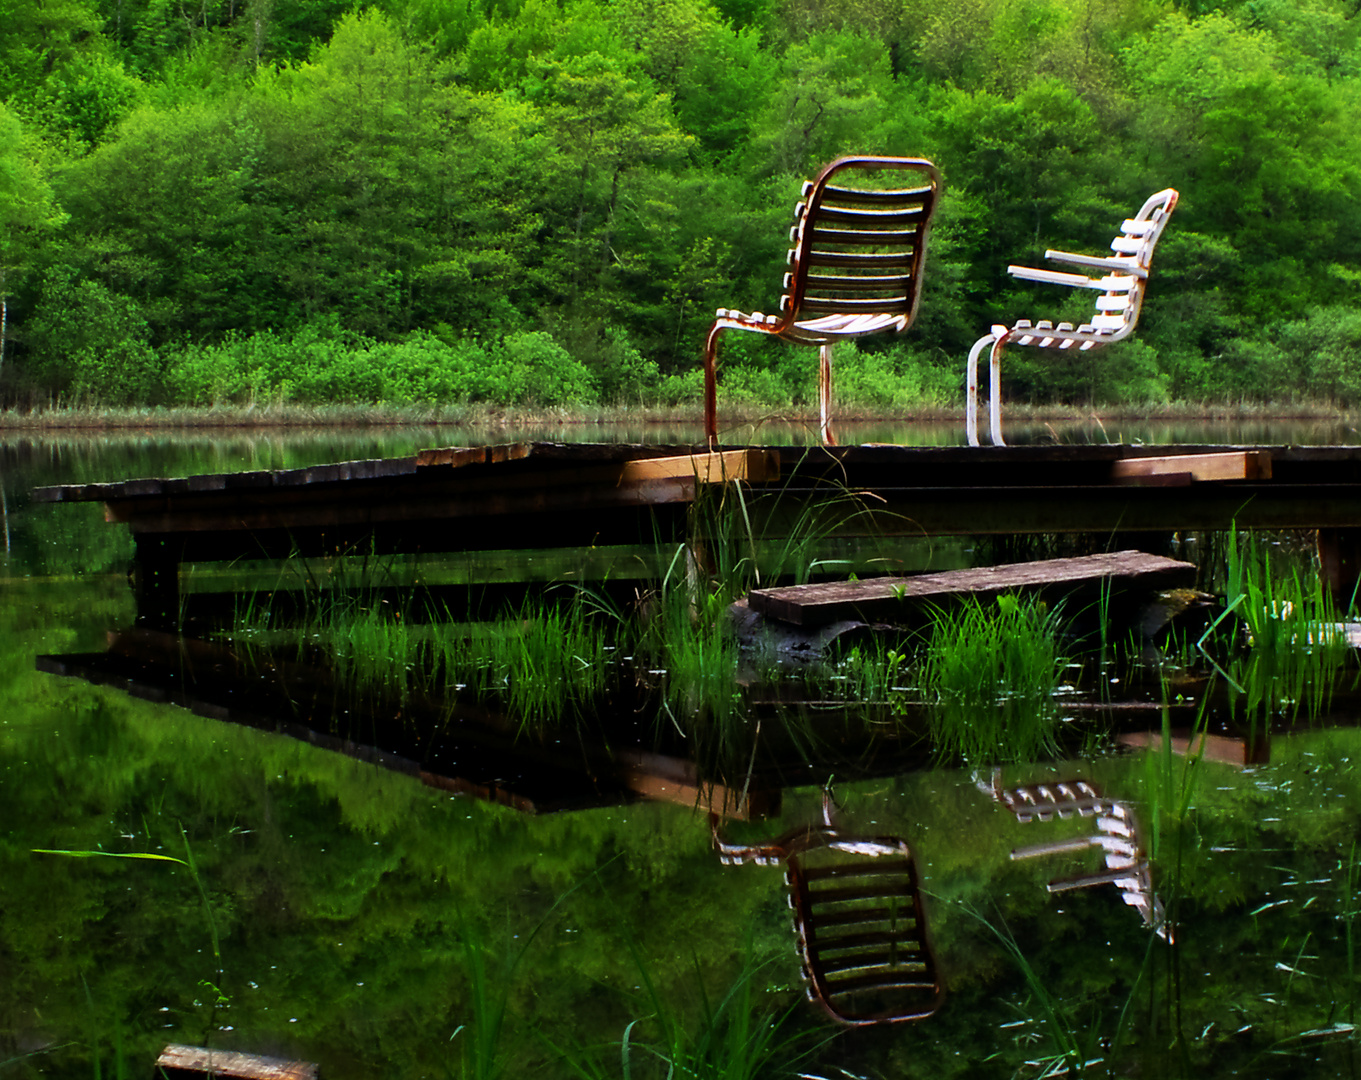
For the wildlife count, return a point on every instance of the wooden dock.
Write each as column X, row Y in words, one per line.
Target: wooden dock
column 538, row 495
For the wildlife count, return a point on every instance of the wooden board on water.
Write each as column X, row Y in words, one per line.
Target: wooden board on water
column 179, row 1060
column 890, row 598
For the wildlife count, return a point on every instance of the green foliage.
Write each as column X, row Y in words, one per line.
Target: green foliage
column 993, row 669
column 91, row 344
column 474, row 170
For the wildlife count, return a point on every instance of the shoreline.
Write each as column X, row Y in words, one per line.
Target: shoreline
column 271, row 417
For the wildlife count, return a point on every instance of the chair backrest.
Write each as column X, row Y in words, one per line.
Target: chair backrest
column 867, row 958
column 859, row 240
column 862, row 934
column 1117, row 308
column 1122, row 287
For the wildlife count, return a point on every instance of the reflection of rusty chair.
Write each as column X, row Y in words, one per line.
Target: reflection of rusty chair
column 1127, row 866
column 859, row 241
column 858, row 915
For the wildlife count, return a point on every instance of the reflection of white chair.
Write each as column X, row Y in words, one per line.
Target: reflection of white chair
column 1126, row 865
column 1117, row 308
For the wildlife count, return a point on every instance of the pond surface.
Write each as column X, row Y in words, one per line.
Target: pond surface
column 334, row 908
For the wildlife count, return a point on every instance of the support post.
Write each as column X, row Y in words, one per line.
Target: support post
column 1339, row 557
column 156, row 580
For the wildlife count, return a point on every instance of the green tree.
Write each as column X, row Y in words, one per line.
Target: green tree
column 28, row 213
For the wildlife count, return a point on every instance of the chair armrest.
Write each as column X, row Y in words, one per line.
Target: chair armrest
column 1106, row 262
column 1055, row 277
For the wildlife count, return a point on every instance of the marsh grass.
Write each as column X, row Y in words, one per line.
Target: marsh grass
column 1281, row 632
column 218, row 998
column 992, row 670
column 1075, row 1036
column 736, row 1036
column 876, row 672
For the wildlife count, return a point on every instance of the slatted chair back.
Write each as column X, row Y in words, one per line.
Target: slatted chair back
column 862, row 935
column 1127, row 865
column 859, row 246
column 1121, row 287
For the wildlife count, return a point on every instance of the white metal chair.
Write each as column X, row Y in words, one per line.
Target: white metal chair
column 855, row 267
column 1127, row 865
column 1117, row 308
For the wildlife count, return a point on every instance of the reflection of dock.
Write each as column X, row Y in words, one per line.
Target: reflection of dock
column 558, row 495
column 462, row 748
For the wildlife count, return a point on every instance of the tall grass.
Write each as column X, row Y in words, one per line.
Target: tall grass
column 737, row 1036
column 992, row 670
column 1280, row 630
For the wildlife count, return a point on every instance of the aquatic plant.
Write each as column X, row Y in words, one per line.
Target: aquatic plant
column 1281, row 628
column 992, row 670
column 873, row 673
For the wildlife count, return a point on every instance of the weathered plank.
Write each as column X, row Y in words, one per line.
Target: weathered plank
column 884, row 599
column 177, row 1058
column 757, row 466
column 1185, row 468
column 456, row 457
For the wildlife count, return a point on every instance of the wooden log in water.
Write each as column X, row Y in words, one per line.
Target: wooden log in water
column 890, row 599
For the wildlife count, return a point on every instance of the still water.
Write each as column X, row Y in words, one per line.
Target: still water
column 318, row 906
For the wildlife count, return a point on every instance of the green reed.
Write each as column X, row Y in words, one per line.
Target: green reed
column 1280, row 627
column 992, row 670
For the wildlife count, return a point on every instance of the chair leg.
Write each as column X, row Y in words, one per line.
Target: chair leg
column 825, row 395
column 711, row 386
column 971, row 390
column 995, row 337
column 995, row 401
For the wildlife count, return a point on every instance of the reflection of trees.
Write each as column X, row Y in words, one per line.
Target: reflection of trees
column 325, row 874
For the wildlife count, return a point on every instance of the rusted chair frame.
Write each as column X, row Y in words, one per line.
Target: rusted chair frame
column 1117, row 308
column 867, row 292
column 848, row 948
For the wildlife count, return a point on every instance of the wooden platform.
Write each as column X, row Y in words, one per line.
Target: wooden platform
column 536, row 495
column 889, row 599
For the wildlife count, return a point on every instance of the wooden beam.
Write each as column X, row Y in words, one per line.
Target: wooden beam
column 756, row 466
column 197, row 1060
column 1233, row 465
column 662, row 778
column 889, row 598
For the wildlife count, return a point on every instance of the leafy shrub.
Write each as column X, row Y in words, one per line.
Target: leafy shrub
column 624, row 374
column 92, row 344
column 894, row 378
column 530, row 368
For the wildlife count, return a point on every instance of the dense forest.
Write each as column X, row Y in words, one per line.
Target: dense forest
column 542, row 202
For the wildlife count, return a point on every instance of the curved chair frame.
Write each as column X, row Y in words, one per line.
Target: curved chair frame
column 1117, row 308
column 855, row 269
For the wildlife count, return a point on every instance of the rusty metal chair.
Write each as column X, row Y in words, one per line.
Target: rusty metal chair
column 855, row 267
column 1117, row 308
column 867, row 958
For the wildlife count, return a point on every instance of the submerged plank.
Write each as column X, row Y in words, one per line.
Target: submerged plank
column 176, row 1059
column 884, row 599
